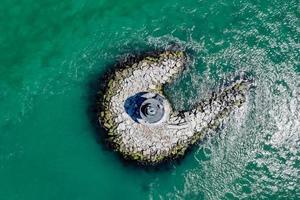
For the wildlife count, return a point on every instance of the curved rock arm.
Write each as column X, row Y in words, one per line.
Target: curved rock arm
column 152, row 143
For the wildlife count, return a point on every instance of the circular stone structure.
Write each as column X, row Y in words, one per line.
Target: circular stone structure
column 140, row 122
column 154, row 109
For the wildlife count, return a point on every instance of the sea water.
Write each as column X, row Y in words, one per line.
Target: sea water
column 54, row 53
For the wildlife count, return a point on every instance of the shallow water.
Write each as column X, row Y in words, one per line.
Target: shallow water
column 52, row 53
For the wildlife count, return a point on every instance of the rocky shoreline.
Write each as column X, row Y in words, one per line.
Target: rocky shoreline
column 151, row 144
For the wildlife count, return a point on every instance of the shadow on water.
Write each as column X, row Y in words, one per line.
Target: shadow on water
column 132, row 105
column 96, row 87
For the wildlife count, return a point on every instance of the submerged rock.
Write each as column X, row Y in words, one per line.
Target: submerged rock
column 140, row 121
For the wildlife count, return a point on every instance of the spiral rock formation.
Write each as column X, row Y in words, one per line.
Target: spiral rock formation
column 153, row 133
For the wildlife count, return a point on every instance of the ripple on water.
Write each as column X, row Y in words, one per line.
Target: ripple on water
column 257, row 153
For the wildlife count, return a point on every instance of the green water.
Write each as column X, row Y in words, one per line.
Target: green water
column 51, row 53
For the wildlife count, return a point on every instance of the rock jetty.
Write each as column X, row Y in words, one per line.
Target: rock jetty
column 140, row 122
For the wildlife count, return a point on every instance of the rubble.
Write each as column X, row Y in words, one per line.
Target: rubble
column 170, row 138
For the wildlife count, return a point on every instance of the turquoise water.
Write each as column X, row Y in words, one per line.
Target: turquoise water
column 52, row 52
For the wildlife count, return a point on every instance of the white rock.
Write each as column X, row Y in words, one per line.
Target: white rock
column 152, row 87
column 122, row 126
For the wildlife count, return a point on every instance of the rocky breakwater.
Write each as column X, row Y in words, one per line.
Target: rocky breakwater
column 154, row 133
